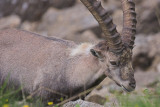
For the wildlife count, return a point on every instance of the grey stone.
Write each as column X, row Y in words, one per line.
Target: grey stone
column 148, row 17
column 67, row 22
column 144, row 79
column 31, row 9
column 12, row 21
column 81, row 103
column 146, row 54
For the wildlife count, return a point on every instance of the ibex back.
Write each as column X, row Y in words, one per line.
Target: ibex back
column 62, row 66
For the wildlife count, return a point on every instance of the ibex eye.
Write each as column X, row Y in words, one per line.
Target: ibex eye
column 113, row 62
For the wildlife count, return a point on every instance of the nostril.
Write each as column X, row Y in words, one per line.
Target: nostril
column 133, row 81
column 133, row 85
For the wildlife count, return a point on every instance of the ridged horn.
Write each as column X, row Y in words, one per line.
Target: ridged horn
column 129, row 22
column 113, row 38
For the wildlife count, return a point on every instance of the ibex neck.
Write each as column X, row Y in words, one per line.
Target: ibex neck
column 87, row 70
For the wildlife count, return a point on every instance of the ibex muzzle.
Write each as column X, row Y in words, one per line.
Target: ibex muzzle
column 40, row 63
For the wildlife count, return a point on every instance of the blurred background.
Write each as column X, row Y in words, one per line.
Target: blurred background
column 69, row 19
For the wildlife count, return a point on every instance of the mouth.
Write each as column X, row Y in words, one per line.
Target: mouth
column 128, row 89
column 125, row 89
column 118, row 84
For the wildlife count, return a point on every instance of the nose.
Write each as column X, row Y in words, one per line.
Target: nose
column 132, row 83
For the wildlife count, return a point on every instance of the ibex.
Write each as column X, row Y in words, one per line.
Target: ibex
column 63, row 66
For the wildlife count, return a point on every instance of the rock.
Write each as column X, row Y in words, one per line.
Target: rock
column 118, row 19
column 111, row 5
column 31, row 9
column 158, row 67
column 29, row 26
column 144, row 79
column 105, row 94
column 97, row 99
column 60, row 4
column 148, row 17
column 86, row 36
column 26, row 9
column 138, row 2
column 81, row 103
column 67, row 22
column 12, row 21
column 146, row 54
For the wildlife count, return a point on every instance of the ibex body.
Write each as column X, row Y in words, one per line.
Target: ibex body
column 36, row 61
column 62, row 66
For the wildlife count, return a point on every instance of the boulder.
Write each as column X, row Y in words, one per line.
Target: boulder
column 67, row 22
column 81, row 103
column 86, row 36
column 144, row 79
column 60, row 4
column 146, row 54
column 12, row 21
column 31, row 9
column 148, row 17
column 29, row 26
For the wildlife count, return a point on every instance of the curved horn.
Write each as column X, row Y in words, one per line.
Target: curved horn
column 113, row 38
column 129, row 22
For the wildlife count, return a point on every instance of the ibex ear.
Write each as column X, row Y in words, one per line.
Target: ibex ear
column 96, row 53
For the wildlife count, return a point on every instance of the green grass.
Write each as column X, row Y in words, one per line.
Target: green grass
column 10, row 97
column 148, row 98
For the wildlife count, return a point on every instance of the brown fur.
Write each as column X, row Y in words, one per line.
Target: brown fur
column 62, row 66
column 35, row 61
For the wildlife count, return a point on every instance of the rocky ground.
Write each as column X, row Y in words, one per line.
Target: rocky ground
column 69, row 19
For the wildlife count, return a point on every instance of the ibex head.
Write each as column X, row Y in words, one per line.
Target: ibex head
column 115, row 53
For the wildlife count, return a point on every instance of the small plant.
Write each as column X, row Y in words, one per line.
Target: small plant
column 77, row 105
column 12, row 97
column 147, row 99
